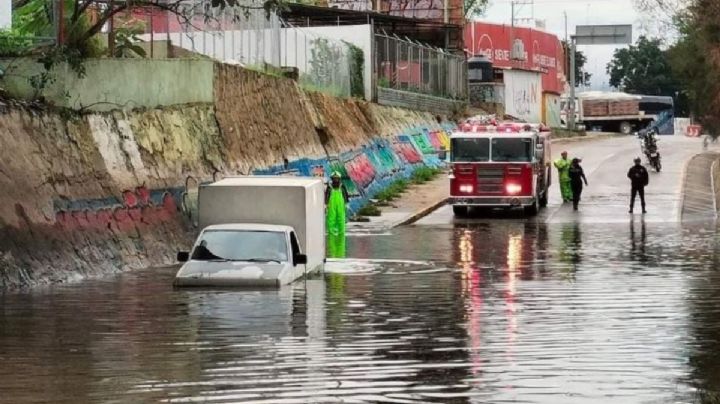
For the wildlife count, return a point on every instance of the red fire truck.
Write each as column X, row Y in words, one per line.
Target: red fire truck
column 500, row 165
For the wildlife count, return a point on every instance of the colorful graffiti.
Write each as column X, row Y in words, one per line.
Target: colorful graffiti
column 373, row 167
column 361, row 170
column 404, row 148
column 337, row 165
column 439, row 139
column 134, row 208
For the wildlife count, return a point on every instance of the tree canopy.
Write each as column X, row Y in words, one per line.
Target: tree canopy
column 693, row 59
column 581, row 76
column 642, row 68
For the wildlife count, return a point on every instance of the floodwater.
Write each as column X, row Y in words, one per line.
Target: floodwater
column 502, row 311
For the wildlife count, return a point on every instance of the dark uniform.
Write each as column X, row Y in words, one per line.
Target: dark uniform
column 577, row 176
column 639, row 179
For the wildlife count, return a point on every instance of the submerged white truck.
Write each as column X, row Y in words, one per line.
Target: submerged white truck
column 256, row 231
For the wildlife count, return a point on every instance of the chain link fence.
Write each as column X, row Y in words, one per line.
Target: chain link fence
column 402, row 64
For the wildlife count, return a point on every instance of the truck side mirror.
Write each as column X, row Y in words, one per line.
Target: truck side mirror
column 183, row 256
column 300, row 259
column 442, row 154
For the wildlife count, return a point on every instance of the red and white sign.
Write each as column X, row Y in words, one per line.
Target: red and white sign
column 543, row 52
column 693, row 130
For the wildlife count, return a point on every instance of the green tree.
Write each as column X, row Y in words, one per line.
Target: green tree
column 474, row 8
column 642, row 68
column 79, row 31
column 695, row 60
column 581, row 76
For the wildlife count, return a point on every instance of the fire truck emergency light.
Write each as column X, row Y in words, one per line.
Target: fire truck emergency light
column 513, row 189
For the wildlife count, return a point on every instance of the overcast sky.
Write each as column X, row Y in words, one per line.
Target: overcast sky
column 579, row 12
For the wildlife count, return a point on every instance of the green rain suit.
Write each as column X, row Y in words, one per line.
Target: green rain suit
column 335, row 198
column 563, row 167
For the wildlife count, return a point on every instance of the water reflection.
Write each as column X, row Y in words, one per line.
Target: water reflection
column 508, row 312
column 637, row 241
column 336, row 245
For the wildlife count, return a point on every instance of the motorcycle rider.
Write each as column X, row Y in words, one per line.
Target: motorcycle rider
column 639, row 179
column 649, row 147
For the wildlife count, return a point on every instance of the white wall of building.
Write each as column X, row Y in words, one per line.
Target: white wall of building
column 5, row 14
column 277, row 46
column 523, row 95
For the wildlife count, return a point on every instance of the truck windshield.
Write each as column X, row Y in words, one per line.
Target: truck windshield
column 514, row 150
column 470, row 150
column 241, row 245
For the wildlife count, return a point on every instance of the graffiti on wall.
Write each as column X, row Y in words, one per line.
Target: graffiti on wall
column 360, row 170
column 337, row 165
column 355, row 5
column 133, row 208
column 405, row 149
column 439, row 139
column 368, row 170
column 523, row 95
column 425, row 9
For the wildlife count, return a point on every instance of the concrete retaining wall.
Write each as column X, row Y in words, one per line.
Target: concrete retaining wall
column 420, row 102
column 106, row 192
column 111, row 84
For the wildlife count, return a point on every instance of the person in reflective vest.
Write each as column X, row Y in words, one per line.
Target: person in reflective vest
column 563, row 166
column 336, row 196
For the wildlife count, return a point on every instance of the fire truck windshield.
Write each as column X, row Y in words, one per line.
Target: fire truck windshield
column 470, row 150
column 513, row 150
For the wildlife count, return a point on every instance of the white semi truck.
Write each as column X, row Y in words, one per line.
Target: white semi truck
column 256, row 231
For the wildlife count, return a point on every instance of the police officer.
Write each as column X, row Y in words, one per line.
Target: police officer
column 639, row 179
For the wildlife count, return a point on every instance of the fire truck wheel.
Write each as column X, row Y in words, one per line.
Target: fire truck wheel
column 460, row 211
column 544, row 199
column 531, row 210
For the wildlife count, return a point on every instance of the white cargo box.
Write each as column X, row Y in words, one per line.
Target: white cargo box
column 298, row 202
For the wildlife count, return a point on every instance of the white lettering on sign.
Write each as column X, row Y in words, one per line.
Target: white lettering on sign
column 545, row 61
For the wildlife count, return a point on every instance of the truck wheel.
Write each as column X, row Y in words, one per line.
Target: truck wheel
column 544, row 199
column 532, row 210
column 460, row 211
column 625, row 128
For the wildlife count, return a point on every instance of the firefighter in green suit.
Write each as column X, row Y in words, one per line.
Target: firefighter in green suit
column 563, row 166
column 336, row 196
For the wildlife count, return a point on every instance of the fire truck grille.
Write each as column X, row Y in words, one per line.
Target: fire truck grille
column 490, row 180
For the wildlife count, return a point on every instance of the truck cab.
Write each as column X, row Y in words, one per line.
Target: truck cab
column 242, row 254
column 503, row 166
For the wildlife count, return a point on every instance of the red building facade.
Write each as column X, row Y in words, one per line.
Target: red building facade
column 543, row 52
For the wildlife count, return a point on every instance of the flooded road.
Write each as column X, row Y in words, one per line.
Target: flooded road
column 502, row 311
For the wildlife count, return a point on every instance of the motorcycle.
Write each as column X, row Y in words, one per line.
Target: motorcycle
column 653, row 157
column 650, row 149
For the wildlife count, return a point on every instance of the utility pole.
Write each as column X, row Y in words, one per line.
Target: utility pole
column 571, row 101
column 566, row 60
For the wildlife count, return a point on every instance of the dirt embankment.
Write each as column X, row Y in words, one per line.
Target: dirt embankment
column 107, row 192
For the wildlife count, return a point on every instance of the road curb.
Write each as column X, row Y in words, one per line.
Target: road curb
column 683, row 187
column 421, row 213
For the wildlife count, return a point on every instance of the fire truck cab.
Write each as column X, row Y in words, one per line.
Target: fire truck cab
column 501, row 165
